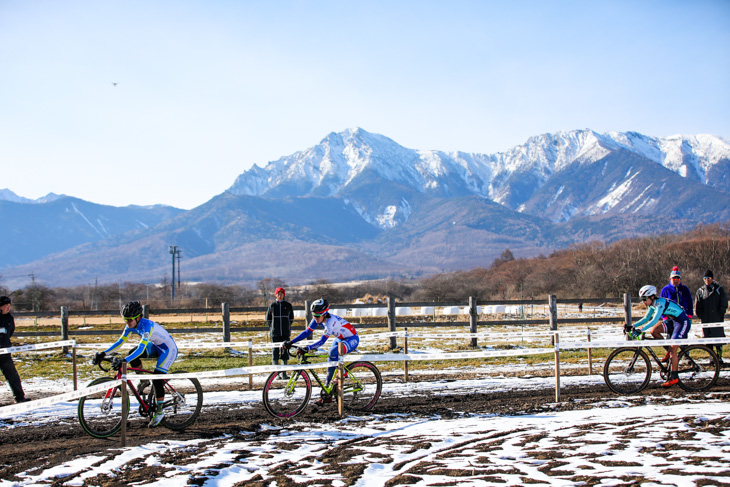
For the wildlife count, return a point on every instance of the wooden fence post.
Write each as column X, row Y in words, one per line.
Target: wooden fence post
column 145, row 312
column 391, row 321
column 250, row 364
column 307, row 314
column 557, row 367
column 405, row 362
column 590, row 357
column 64, row 326
column 75, row 370
column 473, row 319
column 341, row 385
column 553, row 312
column 226, row 311
column 125, row 404
column 627, row 310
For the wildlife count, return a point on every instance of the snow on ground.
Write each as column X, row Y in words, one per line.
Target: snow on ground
column 661, row 443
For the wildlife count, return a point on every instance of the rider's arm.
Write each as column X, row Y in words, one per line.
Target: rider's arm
column 120, row 340
column 650, row 319
column 306, row 333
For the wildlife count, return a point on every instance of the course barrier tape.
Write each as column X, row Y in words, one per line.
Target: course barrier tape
column 403, row 357
column 48, row 401
column 39, row 346
column 256, row 369
column 640, row 343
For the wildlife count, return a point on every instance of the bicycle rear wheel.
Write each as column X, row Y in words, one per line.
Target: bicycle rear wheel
column 100, row 414
column 183, row 402
column 698, row 368
column 286, row 398
column 627, row 370
column 362, row 387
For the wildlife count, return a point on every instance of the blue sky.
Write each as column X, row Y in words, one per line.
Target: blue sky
column 206, row 89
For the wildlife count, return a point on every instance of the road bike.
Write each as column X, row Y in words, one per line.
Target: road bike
column 628, row 369
column 287, row 397
column 100, row 414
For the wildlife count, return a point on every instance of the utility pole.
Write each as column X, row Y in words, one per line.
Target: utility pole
column 175, row 252
column 179, row 254
column 32, row 280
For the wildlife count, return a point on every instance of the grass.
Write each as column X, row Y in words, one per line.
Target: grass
column 54, row 365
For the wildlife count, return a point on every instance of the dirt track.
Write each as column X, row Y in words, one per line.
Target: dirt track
column 40, row 447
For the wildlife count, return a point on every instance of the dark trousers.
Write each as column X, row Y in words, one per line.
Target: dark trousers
column 714, row 332
column 11, row 375
column 277, row 353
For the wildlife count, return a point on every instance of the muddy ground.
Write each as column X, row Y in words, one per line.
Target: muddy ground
column 34, row 448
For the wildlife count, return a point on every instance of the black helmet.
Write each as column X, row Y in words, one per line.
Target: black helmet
column 319, row 307
column 4, row 300
column 132, row 310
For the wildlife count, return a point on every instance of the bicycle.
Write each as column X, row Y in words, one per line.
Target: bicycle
column 285, row 398
column 628, row 370
column 101, row 414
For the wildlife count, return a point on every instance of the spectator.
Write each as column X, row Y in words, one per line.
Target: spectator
column 711, row 305
column 279, row 317
column 7, row 328
column 678, row 292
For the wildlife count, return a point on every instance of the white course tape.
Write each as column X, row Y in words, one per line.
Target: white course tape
column 39, row 346
column 640, row 343
column 257, row 369
column 47, row 401
column 402, row 357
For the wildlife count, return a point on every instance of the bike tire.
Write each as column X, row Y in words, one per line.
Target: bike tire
column 627, row 370
column 100, row 414
column 362, row 386
column 285, row 398
column 698, row 368
column 183, row 402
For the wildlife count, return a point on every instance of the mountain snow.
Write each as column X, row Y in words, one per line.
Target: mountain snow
column 7, row 195
column 328, row 168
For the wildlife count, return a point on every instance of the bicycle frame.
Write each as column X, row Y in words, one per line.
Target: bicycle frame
column 145, row 406
column 663, row 370
column 303, row 360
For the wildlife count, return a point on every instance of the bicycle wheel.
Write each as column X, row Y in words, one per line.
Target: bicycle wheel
column 698, row 368
column 100, row 414
column 286, row 398
column 183, row 402
column 362, row 387
column 627, row 370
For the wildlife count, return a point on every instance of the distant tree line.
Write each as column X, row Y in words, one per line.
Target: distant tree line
column 589, row 270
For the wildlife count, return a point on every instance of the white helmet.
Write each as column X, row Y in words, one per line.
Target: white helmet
column 647, row 291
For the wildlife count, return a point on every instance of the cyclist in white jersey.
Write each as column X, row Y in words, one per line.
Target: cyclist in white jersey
column 155, row 342
column 341, row 329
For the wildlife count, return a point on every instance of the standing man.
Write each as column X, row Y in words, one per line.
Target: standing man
column 711, row 305
column 7, row 328
column 280, row 317
column 678, row 292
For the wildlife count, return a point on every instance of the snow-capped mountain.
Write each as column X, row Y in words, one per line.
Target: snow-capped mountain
column 358, row 205
column 341, row 162
column 7, row 195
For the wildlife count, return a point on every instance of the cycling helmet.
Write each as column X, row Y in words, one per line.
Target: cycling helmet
column 319, row 307
column 131, row 310
column 647, row 291
column 4, row 300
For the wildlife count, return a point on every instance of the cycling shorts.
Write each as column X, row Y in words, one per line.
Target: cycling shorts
column 676, row 330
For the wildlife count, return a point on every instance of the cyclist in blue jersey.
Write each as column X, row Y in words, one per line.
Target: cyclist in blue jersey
column 333, row 325
column 676, row 326
column 155, row 342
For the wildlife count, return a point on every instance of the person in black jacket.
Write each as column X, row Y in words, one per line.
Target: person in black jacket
column 7, row 328
column 279, row 317
column 710, row 306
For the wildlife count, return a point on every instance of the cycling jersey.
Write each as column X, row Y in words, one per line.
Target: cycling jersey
column 156, row 341
column 333, row 325
column 662, row 306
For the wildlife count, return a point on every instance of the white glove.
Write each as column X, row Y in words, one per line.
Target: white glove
column 3, row 330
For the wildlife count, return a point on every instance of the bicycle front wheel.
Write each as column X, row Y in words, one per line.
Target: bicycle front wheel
column 698, row 368
column 100, row 414
column 183, row 402
column 285, row 398
column 627, row 370
column 362, row 387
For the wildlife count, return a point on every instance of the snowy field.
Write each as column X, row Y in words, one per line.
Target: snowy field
column 659, row 440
